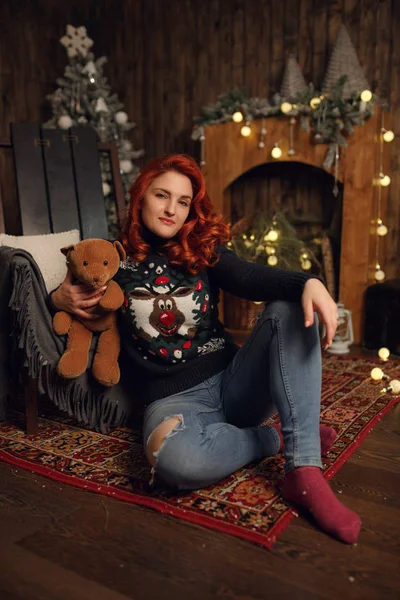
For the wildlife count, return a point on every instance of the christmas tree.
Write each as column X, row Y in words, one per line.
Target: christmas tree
column 84, row 97
column 293, row 82
column 273, row 241
column 344, row 62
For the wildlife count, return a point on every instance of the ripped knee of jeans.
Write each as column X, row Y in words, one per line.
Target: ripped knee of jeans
column 159, row 437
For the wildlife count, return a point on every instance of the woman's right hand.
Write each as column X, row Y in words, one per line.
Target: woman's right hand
column 75, row 298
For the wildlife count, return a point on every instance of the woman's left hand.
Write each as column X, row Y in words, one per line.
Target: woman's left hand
column 317, row 298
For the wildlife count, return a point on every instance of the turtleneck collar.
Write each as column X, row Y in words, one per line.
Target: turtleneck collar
column 154, row 240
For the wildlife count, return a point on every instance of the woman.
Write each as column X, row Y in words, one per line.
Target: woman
column 206, row 399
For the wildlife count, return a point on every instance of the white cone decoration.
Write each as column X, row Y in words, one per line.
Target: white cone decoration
column 344, row 61
column 293, row 80
column 101, row 106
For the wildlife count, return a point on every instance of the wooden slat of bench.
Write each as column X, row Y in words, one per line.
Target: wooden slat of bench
column 60, row 181
column 30, row 178
column 88, row 183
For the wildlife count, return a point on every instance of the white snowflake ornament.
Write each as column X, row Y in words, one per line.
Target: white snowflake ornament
column 76, row 41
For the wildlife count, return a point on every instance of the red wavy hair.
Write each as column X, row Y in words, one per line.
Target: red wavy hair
column 194, row 245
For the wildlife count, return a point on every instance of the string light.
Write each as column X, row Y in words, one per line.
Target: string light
column 315, row 102
column 272, row 235
column 246, row 129
column 381, row 229
column 306, row 265
column 388, row 135
column 394, row 387
column 286, row 107
column 379, row 273
column 366, row 95
column 384, row 353
column 377, row 374
column 384, row 180
column 276, row 152
column 237, row 117
column 272, row 260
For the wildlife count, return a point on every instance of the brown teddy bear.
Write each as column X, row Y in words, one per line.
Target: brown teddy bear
column 93, row 262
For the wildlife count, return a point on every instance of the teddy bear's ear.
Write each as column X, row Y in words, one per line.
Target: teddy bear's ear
column 67, row 249
column 120, row 249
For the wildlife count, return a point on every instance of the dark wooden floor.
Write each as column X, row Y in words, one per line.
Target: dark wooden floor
column 61, row 543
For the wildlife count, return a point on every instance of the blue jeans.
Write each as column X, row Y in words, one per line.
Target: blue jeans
column 220, row 420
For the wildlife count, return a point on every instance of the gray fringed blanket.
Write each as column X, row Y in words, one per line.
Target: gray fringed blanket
column 26, row 323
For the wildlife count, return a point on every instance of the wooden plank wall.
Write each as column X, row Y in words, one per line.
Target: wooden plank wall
column 168, row 59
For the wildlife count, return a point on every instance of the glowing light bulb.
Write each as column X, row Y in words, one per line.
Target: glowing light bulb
column 366, row 95
column 229, row 244
column 244, row 236
column 384, row 353
column 384, row 180
column 272, row 260
column 381, row 230
column 394, row 387
column 377, row 374
column 276, row 152
column 306, row 265
column 272, row 235
column 286, row 107
column 237, row 117
column 379, row 275
column 304, row 255
column 252, row 237
column 245, row 131
column 270, row 249
column 388, row 136
column 314, row 102
column 255, row 302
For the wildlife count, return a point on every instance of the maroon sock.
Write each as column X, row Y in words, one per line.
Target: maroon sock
column 306, row 487
column 327, row 435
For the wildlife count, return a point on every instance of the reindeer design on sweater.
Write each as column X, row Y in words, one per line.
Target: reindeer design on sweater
column 159, row 310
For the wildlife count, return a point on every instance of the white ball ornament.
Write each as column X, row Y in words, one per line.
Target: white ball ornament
column 126, row 166
column 121, row 117
column 65, row 122
column 106, row 188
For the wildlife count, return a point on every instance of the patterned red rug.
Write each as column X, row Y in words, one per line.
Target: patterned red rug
column 246, row 504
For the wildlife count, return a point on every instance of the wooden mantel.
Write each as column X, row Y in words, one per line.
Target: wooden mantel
column 228, row 155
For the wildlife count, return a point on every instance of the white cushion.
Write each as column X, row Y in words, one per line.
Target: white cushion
column 45, row 249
